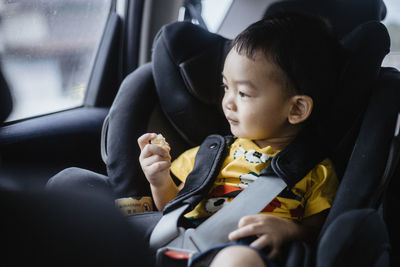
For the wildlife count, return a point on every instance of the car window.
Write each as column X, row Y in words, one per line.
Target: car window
column 213, row 12
column 47, row 50
column 392, row 22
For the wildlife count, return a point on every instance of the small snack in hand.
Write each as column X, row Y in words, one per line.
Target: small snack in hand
column 160, row 141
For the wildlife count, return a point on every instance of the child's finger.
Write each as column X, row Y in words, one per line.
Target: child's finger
column 246, row 220
column 262, row 242
column 150, row 150
column 158, row 150
column 153, row 159
column 144, row 139
column 248, row 230
column 158, row 167
column 265, row 243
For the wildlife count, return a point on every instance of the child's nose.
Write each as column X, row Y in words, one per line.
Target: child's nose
column 228, row 102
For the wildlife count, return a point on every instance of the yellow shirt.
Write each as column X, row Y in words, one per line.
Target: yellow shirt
column 313, row 194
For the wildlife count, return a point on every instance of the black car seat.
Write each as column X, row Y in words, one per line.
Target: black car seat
column 382, row 114
column 345, row 15
column 181, row 86
column 355, row 90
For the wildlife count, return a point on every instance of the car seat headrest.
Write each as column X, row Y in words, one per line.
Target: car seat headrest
column 367, row 46
column 187, row 64
column 5, row 98
column 340, row 13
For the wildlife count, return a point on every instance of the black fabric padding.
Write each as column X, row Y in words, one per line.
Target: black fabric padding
column 5, row 98
column 80, row 180
column 129, row 116
column 187, row 66
column 144, row 224
column 207, row 164
column 202, row 74
column 314, row 144
column 345, row 15
column 356, row 238
column 368, row 159
column 356, row 85
column 299, row 254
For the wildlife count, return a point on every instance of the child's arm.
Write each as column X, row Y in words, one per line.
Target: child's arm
column 155, row 161
column 274, row 231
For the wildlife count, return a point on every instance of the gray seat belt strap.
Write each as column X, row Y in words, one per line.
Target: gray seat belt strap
column 167, row 228
column 252, row 200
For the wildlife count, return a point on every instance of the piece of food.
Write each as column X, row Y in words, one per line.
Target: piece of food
column 159, row 140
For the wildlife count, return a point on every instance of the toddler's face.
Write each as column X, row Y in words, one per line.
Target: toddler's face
column 256, row 102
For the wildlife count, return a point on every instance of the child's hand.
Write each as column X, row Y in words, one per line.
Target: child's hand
column 272, row 231
column 155, row 160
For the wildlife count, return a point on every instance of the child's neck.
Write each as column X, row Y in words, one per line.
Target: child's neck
column 277, row 143
column 280, row 141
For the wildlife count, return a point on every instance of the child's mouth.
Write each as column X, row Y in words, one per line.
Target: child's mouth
column 232, row 121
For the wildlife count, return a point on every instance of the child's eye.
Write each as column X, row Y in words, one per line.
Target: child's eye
column 243, row 95
column 224, row 86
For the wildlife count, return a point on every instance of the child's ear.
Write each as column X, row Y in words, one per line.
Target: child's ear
column 301, row 108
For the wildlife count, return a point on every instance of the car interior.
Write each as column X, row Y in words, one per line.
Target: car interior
column 149, row 77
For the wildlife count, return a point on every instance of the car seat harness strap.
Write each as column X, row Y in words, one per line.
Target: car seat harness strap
column 207, row 164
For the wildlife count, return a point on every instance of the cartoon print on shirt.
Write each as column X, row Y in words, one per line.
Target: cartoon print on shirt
column 215, row 204
column 247, row 179
column 275, row 203
column 239, row 152
column 223, row 194
column 251, row 156
column 220, row 196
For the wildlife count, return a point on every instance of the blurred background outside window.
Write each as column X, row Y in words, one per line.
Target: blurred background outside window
column 47, row 50
column 392, row 22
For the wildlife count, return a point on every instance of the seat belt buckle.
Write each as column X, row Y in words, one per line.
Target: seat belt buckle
column 172, row 256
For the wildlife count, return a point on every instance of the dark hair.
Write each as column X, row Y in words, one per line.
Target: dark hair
column 304, row 47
